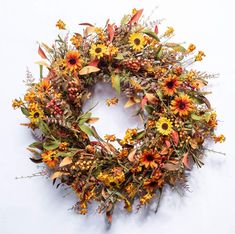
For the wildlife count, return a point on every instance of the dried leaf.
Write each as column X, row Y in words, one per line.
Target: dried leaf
column 36, row 160
column 94, row 63
column 175, row 137
column 186, row 160
column 92, row 120
column 88, row 69
column 43, row 63
column 136, row 17
column 144, row 101
column 110, row 32
column 56, row 175
column 41, row 53
column 131, row 156
column 131, row 102
column 88, row 30
column 196, row 117
column 171, row 166
column 86, row 24
column 66, row 161
column 151, row 98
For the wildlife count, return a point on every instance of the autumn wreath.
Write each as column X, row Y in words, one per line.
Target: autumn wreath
column 152, row 73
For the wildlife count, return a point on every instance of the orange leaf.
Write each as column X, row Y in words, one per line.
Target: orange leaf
column 111, row 32
column 86, row 24
column 175, row 137
column 164, row 151
column 151, row 98
column 88, row 69
column 186, row 160
column 94, row 63
column 66, row 161
column 136, row 17
column 168, row 144
column 144, row 101
column 41, row 53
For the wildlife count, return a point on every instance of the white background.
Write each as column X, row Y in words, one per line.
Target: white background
column 33, row 205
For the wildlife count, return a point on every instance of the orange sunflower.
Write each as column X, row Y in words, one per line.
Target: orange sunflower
column 150, row 159
column 73, row 61
column 153, row 183
column 170, row 85
column 182, row 105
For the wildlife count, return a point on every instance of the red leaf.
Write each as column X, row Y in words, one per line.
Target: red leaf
column 94, row 63
column 136, row 17
column 41, row 53
column 109, row 217
column 111, row 32
column 86, row 24
column 168, row 144
column 156, row 29
column 186, row 160
column 144, row 101
column 175, row 137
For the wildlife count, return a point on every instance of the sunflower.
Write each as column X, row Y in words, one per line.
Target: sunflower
column 49, row 159
column 182, row 105
column 98, row 51
column 137, row 41
column 170, row 85
column 164, row 126
column 73, row 61
column 35, row 115
column 149, row 159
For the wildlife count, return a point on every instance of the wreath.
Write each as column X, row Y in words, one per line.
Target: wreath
column 153, row 74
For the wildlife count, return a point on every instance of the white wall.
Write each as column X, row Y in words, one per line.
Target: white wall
column 34, row 206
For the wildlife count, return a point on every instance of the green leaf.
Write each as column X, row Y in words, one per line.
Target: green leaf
column 66, row 154
column 41, row 71
column 43, row 127
column 149, row 108
column 24, row 111
column 86, row 130
column 116, row 83
column 140, row 135
column 159, row 52
column 151, row 34
column 37, row 145
column 176, row 47
column 159, row 94
column 125, row 19
column 83, row 118
column 196, row 117
column 207, row 116
column 51, row 145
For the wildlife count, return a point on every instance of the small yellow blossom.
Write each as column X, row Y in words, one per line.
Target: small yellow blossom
column 60, row 24
column 108, row 137
column 17, row 103
column 128, row 139
column 191, row 48
column 199, row 56
column 112, row 101
column 220, row 138
column 30, row 96
column 169, row 31
column 146, row 198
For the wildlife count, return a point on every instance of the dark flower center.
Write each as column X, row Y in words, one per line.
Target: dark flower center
column 98, row 50
column 72, row 61
column 153, row 184
column 137, row 41
column 182, row 105
column 113, row 183
column 149, row 157
column 164, row 126
column 170, row 84
column 36, row 115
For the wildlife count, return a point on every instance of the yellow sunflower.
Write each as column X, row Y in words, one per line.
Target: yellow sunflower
column 137, row 41
column 164, row 126
column 35, row 115
column 98, row 51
